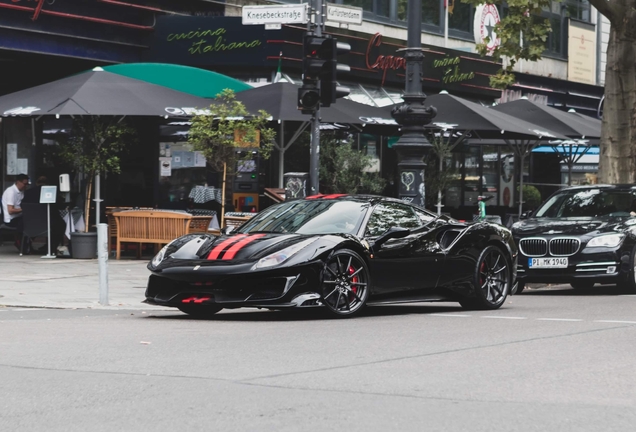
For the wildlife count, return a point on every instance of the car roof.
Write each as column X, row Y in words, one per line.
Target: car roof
column 373, row 199
column 624, row 187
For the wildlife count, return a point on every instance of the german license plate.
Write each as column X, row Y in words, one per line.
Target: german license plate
column 547, row 262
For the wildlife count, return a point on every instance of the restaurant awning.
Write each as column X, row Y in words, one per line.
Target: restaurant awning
column 195, row 81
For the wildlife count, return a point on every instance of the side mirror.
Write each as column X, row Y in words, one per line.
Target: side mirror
column 525, row 215
column 391, row 233
column 228, row 229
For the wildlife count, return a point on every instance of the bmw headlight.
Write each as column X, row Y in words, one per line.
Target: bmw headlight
column 159, row 257
column 282, row 255
column 611, row 240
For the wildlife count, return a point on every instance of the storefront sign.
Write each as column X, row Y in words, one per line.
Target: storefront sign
column 589, row 168
column 581, row 52
column 486, row 17
column 223, row 43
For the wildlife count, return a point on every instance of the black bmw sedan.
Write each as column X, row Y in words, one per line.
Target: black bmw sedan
column 338, row 252
column 582, row 236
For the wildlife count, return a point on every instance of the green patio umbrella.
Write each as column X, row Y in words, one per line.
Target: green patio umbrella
column 195, row 81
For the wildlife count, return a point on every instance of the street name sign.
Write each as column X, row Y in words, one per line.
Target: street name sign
column 276, row 14
column 344, row 14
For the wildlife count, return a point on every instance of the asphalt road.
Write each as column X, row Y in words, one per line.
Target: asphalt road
column 549, row 360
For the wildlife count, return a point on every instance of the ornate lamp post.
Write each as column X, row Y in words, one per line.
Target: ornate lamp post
column 413, row 115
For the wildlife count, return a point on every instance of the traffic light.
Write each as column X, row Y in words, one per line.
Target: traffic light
column 329, row 88
column 313, row 63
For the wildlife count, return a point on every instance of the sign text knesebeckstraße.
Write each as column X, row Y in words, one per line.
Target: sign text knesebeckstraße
column 277, row 14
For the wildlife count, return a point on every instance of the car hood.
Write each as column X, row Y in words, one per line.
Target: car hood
column 568, row 226
column 235, row 248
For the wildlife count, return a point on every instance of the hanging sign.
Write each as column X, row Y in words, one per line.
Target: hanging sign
column 344, row 14
column 486, row 17
column 276, row 14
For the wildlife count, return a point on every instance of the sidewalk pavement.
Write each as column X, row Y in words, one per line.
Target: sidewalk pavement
column 31, row 281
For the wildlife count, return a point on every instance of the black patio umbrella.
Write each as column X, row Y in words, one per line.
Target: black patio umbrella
column 473, row 120
column 280, row 100
column 482, row 122
column 581, row 130
column 98, row 92
column 571, row 125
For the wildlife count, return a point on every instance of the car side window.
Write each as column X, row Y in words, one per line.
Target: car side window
column 387, row 215
column 423, row 216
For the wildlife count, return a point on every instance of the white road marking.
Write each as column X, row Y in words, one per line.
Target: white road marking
column 504, row 317
column 615, row 322
column 451, row 315
column 559, row 319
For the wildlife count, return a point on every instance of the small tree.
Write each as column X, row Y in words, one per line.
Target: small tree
column 343, row 169
column 438, row 178
column 94, row 146
column 228, row 128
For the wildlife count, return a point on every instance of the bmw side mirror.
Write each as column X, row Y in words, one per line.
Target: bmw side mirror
column 391, row 233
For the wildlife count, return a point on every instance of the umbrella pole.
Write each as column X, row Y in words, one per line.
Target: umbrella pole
column 281, row 155
column 223, row 195
column 439, row 191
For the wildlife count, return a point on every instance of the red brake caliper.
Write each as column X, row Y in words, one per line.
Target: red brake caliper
column 354, row 279
column 482, row 270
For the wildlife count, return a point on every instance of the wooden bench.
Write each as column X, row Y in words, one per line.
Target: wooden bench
column 156, row 227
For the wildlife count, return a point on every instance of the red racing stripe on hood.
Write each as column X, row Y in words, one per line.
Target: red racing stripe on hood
column 214, row 253
column 229, row 254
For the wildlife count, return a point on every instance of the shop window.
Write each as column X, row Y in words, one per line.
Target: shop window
column 577, row 9
column 471, row 177
column 490, row 175
column 462, row 17
column 430, row 11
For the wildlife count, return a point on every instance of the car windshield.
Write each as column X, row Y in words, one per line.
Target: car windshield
column 589, row 203
column 309, row 217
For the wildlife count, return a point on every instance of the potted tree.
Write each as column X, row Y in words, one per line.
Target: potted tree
column 229, row 128
column 93, row 146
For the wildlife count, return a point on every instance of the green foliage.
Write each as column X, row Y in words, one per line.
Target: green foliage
column 342, row 168
column 523, row 33
column 215, row 133
column 437, row 179
column 531, row 197
column 95, row 145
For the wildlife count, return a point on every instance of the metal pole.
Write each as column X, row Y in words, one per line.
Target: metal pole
column 98, row 198
column 439, row 191
column 413, row 115
column 48, row 227
column 281, row 156
column 523, row 158
column 102, row 257
column 314, row 153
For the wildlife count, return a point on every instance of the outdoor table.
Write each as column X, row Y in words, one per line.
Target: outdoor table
column 74, row 223
column 203, row 194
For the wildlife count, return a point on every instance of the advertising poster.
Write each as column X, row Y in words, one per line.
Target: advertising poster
column 12, row 159
column 165, row 166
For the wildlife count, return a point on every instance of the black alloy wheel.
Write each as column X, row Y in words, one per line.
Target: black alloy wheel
column 345, row 283
column 200, row 311
column 628, row 285
column 493, row 274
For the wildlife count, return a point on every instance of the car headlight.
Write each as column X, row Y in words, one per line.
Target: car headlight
column 611, row 240
column 159, row 257
column 281, row 255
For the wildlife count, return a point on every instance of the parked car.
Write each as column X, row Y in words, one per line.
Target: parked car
column 581, row 236
column 337, row 252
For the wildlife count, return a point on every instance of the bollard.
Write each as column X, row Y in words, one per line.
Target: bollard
column 102, row 258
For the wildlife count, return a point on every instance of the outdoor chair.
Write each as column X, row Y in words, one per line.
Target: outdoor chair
column 4, row 227
column 35, row 222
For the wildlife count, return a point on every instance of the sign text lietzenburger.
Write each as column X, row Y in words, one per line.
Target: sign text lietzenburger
column 344, row 14
column 277, row 14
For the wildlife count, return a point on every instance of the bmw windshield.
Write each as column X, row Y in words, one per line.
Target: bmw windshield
column 309, row 217
column 589, row 203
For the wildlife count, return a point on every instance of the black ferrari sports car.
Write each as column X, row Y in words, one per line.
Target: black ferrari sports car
column 339, row 252
column 582, row 236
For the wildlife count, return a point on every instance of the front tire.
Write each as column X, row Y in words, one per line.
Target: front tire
column 203, row 311
column 628, row 286
column 345, row 283
column 493, row 276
